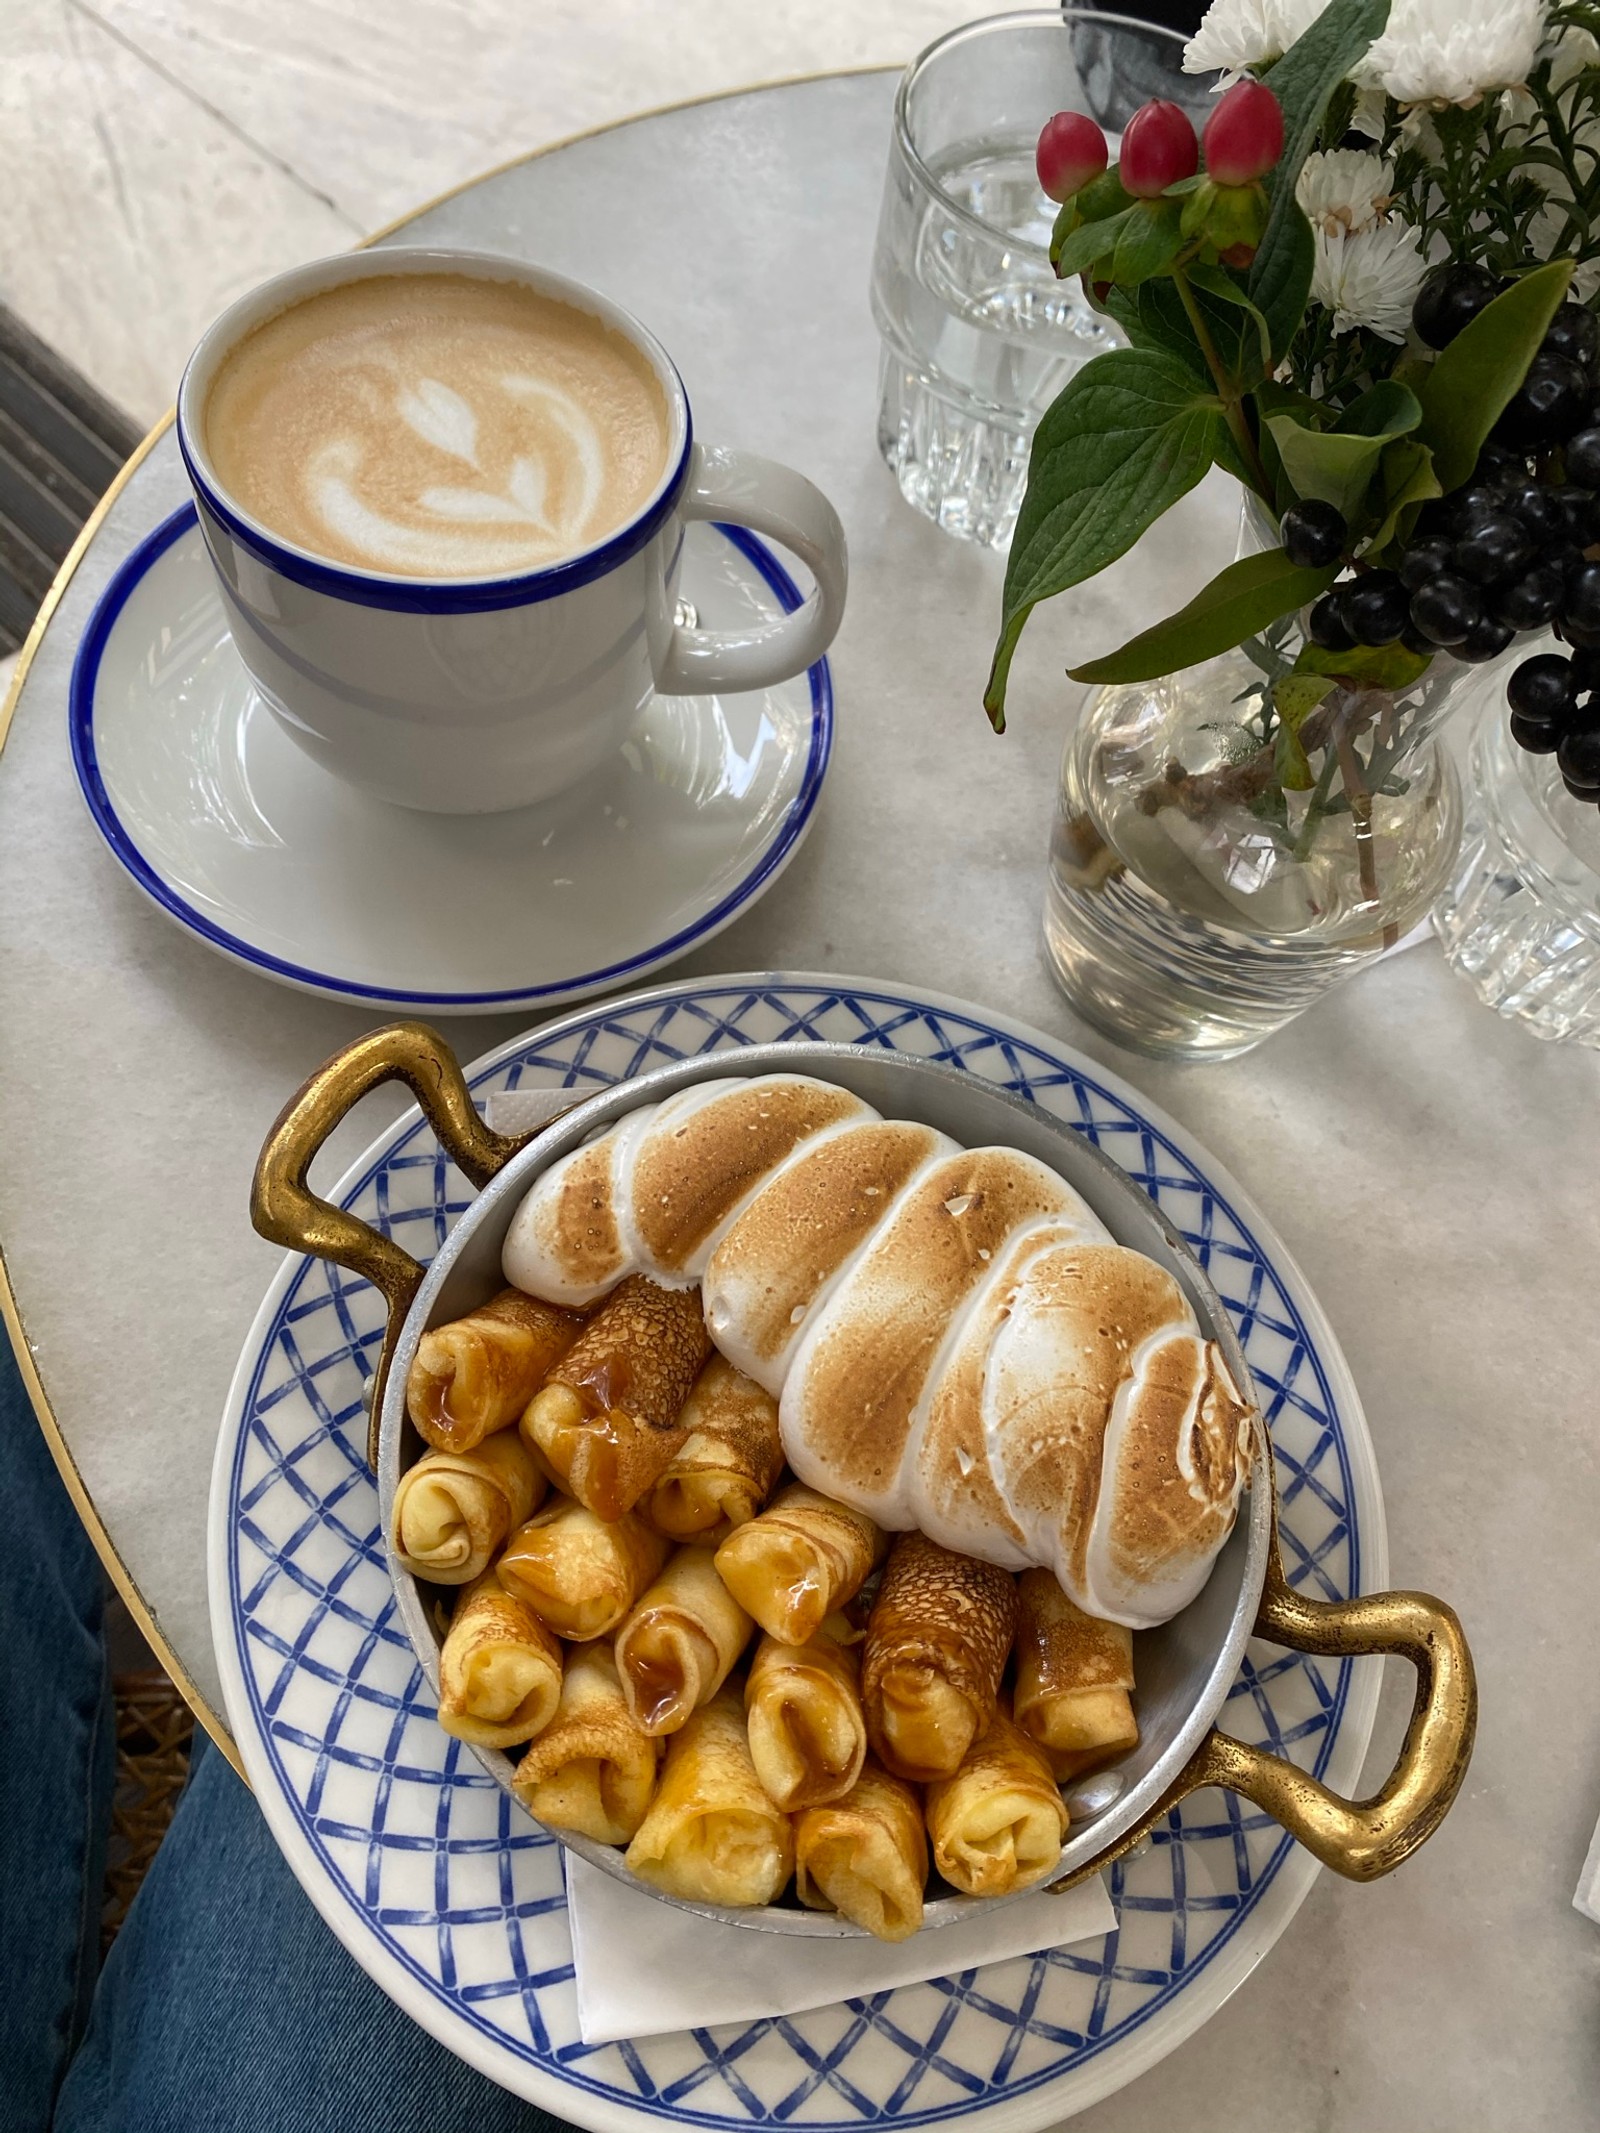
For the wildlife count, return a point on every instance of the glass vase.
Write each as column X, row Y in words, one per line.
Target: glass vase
column 1212, row 876
column 1520, row 917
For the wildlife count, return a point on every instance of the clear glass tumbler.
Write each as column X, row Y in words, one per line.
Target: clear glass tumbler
column 978, row 334
column 1520, row 920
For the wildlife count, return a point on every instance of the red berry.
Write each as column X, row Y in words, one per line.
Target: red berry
column 1244, row 135
column 1072, row 150
column 1158, row 148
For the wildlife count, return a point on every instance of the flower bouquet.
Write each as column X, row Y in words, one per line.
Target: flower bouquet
column 1366, row 293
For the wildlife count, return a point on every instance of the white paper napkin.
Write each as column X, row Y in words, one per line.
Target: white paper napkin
column 644, row 1968
column 1586, row 1897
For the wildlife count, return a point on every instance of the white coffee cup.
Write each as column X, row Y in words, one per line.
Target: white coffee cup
column 474, row 696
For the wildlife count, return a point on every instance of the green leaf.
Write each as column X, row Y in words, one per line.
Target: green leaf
column 1148, row 242
column 1303, row 81
column 1466, row 391
column 1406, row 481
column 1387, row 409
column 1102, row 196
column 1376, row 666
column 1271, row 398
column 1090, row 243
column 1218, row 283
column 1129, row 434
column 1298, row 695
column 1097, row 201
column 1153, row 316
column 1223, row 216
column 1237, row 603
column 1337, row 465
column 1294, row 699
column 1280, row 279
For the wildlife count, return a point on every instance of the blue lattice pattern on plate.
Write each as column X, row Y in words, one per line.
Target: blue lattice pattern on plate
column 468, row 1895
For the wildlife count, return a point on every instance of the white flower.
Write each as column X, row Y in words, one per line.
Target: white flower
column 1237, row 34
column 1344, row 190
column 1370, row 279
column 1451, row 51
column 1545, row 233
column 1569, row 51
column 1371, row 115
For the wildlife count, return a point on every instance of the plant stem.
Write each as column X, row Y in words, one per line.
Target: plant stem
column 1227, row 391
column 1317, row 805
column 1360, row 799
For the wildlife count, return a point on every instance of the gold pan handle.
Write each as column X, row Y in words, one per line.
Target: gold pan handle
column 286, row 1211
column 1361, row 1839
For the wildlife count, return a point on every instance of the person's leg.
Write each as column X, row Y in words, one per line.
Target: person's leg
column 227, row 2006
column 56, row 1735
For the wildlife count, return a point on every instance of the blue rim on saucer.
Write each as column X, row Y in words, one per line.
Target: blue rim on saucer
column 455, row 1903
column 81, row 725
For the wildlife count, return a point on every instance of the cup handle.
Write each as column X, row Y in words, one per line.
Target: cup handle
column 1361, row 1839
column 746, row 490
column 286, row 1211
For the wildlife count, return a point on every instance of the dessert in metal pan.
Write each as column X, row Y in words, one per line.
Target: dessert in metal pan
column 801, row 1492
column 956, row 1345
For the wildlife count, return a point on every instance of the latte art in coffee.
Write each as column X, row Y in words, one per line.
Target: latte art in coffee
column 437, row 425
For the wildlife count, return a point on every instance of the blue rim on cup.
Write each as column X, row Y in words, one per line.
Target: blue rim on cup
column 485, row 694
column 408, row 594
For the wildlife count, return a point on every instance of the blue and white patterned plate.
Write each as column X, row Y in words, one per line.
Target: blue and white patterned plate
column 455, row 1904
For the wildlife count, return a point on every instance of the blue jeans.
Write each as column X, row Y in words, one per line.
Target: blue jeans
column 226, row 2005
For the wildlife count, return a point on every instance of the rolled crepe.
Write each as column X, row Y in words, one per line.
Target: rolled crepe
column 499, row 1669
column 453, row 1509
column 475, row 1375
column 591, row 1769
column 680, row 1643
column 803, row 1557
column 712, row 1835
column 608, row 1420
column 808, row 1739
column 1074, row 1675
column 865, row 1856
column 580, row 1574
column 998, row 1823
column 728, row 1463
column 935, row 1648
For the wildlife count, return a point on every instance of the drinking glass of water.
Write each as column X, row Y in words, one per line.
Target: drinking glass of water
column 978, row 335
column 1521, row 920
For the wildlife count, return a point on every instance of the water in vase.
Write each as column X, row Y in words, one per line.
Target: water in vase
column 1195, row 930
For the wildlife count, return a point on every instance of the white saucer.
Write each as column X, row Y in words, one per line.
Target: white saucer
column 235, row 833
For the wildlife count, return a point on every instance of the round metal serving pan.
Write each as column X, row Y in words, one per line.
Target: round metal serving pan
column 1184, row 1669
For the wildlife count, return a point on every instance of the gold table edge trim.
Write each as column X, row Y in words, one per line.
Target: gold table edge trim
column 10, row 1309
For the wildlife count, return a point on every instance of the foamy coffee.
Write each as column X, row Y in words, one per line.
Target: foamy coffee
column 437, row 426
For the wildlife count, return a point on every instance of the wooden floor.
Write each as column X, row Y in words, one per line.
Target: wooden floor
column 60, row 444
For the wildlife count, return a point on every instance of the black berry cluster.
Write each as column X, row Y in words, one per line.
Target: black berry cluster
column 1555, row 710
column 1515, row 548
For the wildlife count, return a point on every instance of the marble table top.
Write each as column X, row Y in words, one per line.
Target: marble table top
column 1431, row 1167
